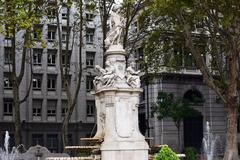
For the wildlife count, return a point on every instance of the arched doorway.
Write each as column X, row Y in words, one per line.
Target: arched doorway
column 193, row 126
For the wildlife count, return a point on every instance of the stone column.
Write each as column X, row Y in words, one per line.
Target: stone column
column 118, row 88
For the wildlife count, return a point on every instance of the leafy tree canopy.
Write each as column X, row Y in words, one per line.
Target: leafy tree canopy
column 19, row 15
column 209, row 30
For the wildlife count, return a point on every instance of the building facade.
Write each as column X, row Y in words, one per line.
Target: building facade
column 42, row 113
column 185, row 83
column 192, row 129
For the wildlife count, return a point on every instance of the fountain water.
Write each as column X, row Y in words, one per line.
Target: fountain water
column 209, row 142
column 4, row 153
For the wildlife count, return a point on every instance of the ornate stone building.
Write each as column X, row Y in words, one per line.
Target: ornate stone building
column 187, row 84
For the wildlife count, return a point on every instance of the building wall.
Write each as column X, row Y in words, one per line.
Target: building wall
column 81, row 123
column 212, row 110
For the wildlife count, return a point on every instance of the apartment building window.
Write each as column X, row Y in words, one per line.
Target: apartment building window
column 89, row 83
column 89, row 16
column 51, row 82
column 90, row 108
column 183, row 57
column 90, row 35
column 90, row 57
column 138, row 55
column 64, row 36
column 8, row 57
column 37, row 57
column 64, row 13
column 52, row 54
column 52, row 142
column 37, row 81
column 37, row 108
column 8, row 107
column 178, row 55
column 7, row 82
column 51, row 33
column 66, row 57
column 66, row 31
column 51, row 108
column 64, row 107
column 37, row 32
column 189, row 61
column 7, row 30
column 37, row 139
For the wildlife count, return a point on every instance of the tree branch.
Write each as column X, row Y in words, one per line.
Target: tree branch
column 30, row 84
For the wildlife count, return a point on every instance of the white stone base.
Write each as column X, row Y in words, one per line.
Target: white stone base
column 124, row 151
column 125, row 155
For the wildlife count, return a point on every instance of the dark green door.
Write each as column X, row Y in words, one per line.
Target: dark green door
column 193, row 132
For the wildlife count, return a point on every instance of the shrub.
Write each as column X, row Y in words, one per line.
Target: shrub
column 191, row 153
column 166, row 154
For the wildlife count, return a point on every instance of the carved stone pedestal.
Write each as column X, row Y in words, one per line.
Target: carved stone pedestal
column 123, row 140
column 117, row 98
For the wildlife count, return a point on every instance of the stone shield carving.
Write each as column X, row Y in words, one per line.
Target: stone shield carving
column 124, row 115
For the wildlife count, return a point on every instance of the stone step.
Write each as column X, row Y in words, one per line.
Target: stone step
column 92, row 140
column 82, row 149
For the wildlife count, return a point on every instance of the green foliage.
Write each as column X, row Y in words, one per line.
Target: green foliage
column 20, row 15
column 161, row 107
column 166, row 154
column 177, row 109
column 191, row 153
column 214, row 22
column 204, row 27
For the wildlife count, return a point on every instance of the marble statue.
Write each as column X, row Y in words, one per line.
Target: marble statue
column 132, row 76
column 107, row 76
column 116, row 23
column 117, row 91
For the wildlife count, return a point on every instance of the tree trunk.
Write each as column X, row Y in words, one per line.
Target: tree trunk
column 179, row 140
column 231, row 150
column 177, row 124
column 17, row 119
column 72, row 97
column 65, row 132
column 65, row 125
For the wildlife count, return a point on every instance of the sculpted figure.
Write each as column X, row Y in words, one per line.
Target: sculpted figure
column 98, row 81
column 107, row 76
column 116, row 26
column 132, row 76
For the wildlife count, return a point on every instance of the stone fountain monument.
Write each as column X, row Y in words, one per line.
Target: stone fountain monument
column 117, row 90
